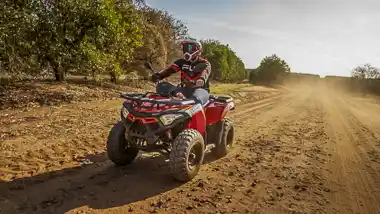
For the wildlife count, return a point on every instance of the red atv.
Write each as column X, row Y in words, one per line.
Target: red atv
column 179, row 128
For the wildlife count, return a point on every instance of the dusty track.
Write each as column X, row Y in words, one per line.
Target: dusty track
column 309, row 151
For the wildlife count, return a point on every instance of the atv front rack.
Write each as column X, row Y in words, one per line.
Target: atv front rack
column 138, row 99
column 143, row 98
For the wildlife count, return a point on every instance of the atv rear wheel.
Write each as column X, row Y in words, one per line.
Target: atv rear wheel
column 118, row 148
column 186, row 156
column 222, row 149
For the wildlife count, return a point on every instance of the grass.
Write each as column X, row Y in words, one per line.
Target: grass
column 225, row 88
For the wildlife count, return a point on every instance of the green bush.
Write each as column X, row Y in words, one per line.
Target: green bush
column 272, row 69
column 226, row 66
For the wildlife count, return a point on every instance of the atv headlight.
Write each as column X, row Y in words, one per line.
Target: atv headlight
column 168, row 119
column 124, row 112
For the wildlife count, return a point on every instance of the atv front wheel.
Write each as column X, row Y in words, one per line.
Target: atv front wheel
column 222, row 149
column 118, row 148
column 186, row 156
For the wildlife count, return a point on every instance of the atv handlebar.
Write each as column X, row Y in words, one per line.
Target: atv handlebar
column 149, row 66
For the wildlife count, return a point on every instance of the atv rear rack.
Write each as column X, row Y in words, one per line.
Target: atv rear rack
column 221, row 98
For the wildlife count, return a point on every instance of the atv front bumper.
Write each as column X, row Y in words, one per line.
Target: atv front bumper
column 147, row 132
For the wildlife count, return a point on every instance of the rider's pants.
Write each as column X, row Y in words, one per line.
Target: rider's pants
column 200, row 95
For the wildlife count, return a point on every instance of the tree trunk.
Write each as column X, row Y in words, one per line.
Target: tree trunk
column 113, row 77
column 59, row 75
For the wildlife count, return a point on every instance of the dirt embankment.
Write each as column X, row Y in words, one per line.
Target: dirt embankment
column 304, row 151
column 32, row 94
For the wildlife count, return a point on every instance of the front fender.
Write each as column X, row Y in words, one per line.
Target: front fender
column 198, row 122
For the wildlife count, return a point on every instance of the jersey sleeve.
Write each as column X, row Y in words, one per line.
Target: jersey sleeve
column 205, row 71
column 173, row 68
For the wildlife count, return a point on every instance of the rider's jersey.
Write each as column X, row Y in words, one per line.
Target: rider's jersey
column 190, row 71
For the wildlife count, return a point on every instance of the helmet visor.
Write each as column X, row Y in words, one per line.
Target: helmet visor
column 189, row 48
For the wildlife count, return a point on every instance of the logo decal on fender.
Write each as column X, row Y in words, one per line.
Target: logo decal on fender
column 195, row 109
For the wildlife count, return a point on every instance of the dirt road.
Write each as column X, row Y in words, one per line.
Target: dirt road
column 308, row 151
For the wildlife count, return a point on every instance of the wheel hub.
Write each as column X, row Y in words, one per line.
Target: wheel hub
column 192, row 160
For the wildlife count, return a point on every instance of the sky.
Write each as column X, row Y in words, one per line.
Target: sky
column 325, row 37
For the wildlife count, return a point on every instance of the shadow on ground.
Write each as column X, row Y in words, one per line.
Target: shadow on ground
column 98, row 185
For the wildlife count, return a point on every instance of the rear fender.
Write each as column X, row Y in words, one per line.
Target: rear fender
column 230, row 106
column 217, row 111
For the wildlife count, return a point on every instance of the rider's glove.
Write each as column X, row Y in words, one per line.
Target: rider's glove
column 200, row 83
column 155, row 78
column 180, row 95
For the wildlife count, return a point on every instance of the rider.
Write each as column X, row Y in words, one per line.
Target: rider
column 195, row 73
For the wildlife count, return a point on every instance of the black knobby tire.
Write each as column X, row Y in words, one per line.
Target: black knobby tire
column 117, row 146
column 183, row 164
column 224, row 147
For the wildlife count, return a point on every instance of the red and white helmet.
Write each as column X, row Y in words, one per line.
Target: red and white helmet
column 191, row 49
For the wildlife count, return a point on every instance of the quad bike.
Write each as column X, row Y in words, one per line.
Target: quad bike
column 178, row 128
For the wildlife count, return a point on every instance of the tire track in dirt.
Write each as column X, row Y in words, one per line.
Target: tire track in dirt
column 288, row 160
column 368, row 113
column 367, row 131
column 360, row 193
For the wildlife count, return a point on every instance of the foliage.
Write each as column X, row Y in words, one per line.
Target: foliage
column 61, row 35
column 354, row 84
column 83, row 36
column 226, row 66
column 365, row 79
column 16, row 23
column 253, row 75
column 97, row 37
column 160, row 32
column 367, row 71
column 301, row 78
column 271, row 69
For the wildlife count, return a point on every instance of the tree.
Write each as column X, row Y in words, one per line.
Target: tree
column 367, row 71
column 271, row 69
column 226, row 66
column 252, row 75
column 160, row 32
column 95, row 37
column 17, row 22
column 91, row 36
